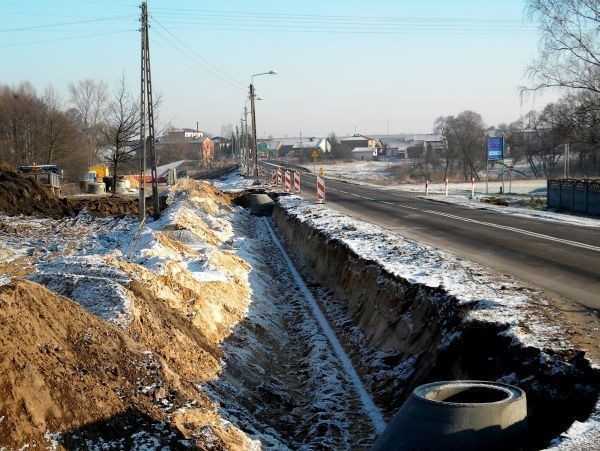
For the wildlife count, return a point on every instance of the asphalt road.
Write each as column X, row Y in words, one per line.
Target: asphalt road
column 563, row 259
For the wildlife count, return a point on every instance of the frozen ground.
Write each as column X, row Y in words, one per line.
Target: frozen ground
column 524, row 314
column 281, row 354
column 503, row 300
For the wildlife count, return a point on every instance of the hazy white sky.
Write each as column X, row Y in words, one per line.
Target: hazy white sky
column 343, row 65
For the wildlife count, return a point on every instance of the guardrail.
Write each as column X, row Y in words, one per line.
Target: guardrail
column 576, row 195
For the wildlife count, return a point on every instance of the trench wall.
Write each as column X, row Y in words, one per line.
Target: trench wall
column 401, row 335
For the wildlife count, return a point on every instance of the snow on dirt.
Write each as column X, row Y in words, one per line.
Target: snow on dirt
column 581, row 435
column 496, row 299
column 232, row 182
column 281, row 381
column 281, row 354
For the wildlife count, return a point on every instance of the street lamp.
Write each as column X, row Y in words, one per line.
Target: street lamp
column 253, row 108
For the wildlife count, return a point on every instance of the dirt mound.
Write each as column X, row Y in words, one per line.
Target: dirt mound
column 64, row 370
column 111, row 205
column 22, row 195
column 115, row 384
column 61, row 366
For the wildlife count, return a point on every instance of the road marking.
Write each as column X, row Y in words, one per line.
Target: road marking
column 503, row 227
column 485, row 223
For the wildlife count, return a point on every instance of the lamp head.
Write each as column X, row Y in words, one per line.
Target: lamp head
column 273, row 72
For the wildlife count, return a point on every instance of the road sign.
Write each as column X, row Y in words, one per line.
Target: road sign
column 314, row 154
column 495, row 148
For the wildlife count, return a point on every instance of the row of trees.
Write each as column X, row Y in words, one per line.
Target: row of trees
column 569, row 60
column 93, row 126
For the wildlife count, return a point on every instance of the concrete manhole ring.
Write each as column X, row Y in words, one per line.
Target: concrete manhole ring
column 459, row 415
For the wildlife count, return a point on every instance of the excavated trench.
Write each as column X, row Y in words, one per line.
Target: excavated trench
column 285, row 386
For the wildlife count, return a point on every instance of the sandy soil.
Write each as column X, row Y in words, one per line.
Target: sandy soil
column 119, row 363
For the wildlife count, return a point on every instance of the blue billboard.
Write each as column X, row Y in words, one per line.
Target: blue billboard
column 495, row 148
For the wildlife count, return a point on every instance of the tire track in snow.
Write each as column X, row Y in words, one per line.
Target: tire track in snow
column 369, row 406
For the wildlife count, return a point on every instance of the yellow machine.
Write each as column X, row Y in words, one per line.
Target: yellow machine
column 97, row 172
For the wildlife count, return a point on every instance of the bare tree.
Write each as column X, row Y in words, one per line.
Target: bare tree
column 89, row 98
column 120, row 128
column 441, row 127
column 569, row 46
column 465, row 135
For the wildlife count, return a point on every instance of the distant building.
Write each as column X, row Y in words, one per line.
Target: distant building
column 364, row 153
column 348, row 144
column 185, row 144
column 309, row 144
column 297, row 146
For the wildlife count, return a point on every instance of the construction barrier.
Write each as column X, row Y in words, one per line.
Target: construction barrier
column 288, row 180
column 297, row 188
column 279, row 176
column 273, row 177
column 320, row 189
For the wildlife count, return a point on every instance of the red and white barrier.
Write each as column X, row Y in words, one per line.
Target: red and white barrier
column 279, row 176
column 288, row 180
column 320, row 189
column 297, row 188
column 273, row 177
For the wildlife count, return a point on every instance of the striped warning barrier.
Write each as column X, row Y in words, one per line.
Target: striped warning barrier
column 297, row 188
column 279, row 176
column 288, row 180
column 320, row 189
column 273, row 177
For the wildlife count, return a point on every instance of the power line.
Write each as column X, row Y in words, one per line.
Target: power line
column 232, row 81
column 70, row 38
column 76, row 22
column 204, row 13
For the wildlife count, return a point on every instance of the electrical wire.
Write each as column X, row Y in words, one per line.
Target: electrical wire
column 70, row 38
column 183, row 50
column 213, row 68
column 75, row 22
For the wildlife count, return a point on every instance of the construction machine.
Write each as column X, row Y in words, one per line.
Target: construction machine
column 49, row 175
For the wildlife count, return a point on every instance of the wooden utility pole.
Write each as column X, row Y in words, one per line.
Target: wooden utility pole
column 147, row 112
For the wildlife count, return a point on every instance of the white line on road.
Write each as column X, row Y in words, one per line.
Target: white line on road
column 488, row 224
column 512, row 229
column 368, row 405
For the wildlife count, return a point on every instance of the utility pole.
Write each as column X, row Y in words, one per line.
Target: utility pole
column 142, row 188
column 254, row 143
column 566, row 160
column 241, row 145
column 246, row 142
column 147, row 111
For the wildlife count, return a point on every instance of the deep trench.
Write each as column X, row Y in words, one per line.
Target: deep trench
column 397, row 335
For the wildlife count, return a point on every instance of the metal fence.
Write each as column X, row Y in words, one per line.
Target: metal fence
column 578, row 196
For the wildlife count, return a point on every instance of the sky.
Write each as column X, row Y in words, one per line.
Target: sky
column 345, row 66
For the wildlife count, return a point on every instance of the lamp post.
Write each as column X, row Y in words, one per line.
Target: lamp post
column 253, row 110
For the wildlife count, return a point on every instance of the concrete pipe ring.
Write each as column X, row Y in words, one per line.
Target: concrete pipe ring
column 453, row 415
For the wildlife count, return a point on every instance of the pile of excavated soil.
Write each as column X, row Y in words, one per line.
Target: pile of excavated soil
column 112, row 205
column 63, row 369
column 23, row 195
